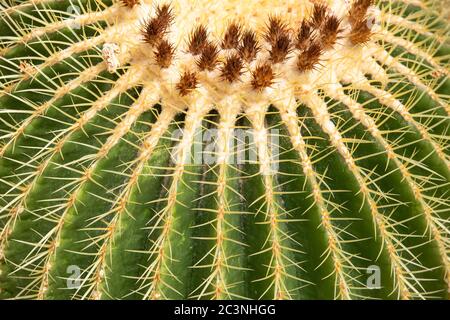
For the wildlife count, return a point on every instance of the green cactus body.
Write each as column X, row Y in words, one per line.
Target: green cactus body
column 300, row 154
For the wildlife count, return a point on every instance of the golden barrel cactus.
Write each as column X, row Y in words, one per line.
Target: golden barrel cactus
column 282, row 149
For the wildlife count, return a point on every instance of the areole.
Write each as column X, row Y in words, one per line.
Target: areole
column 326, row 176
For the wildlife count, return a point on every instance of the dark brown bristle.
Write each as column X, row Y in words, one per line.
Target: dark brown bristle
column 360, row 32
column 198, row 40
column 308, row 59
column 188, row 82
column 249, row 47
column 329, row 32
column 281, row 48
column 165, row 13
column 262, row 77
column 319, row 14
column 232, row 36
column 154, row 31
column 304, row 36
column 275, row 28
column 232, row 68
column 358, row 11
column 130, row 3
column 164, row 54
column 156, row 28
column 208, row 59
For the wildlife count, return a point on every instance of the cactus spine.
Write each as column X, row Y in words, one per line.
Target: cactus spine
column 224, row 149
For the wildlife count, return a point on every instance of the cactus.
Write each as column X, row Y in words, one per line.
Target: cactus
column 224, row 149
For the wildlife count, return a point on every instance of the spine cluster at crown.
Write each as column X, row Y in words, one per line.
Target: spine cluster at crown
column 235, row 52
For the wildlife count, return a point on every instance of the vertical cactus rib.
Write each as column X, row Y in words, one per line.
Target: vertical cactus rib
column 83, row 77
column 115, row 136
column 286, row 156
column 129, row 208
column 398, row 20
column 25, row 4
column 83, row 225
column 74, row 48
column 220, row 260
column 386, row 59
column 431, row 18
column 158, row 272
column 94, row 278
column 368, row 122
column 389, row 100
column 63, row 136
column 28, row 182
column 419, row 4
column 275, row 215
column 36, row 33
column 49, row 241
column 400, row 271
column 435, row 117
column 51, row 60
column 411, row 47
column 335, row 250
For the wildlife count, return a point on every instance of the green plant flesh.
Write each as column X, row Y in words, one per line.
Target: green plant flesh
column 141, row 160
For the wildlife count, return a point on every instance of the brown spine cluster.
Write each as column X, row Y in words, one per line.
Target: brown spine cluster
column 275, row 28
column 319, row 15
column 330, row 32
column 309, row 58
column 358, row 10
column 281, row 48
column 231, row 69
column 165, row 13
column 209, row 57
column 164, row 54
column 130, row 3
column 188, row 82
column 359, row 21
column 315, row 35
column 262, row 77
column 198, row 39
column 278, row 36
column 249, row 47
column 244, row 44
column 156, row 28
column 232, row 36
column 304, row 36
column 325, row 25
column 155, row 31
column 361, row 33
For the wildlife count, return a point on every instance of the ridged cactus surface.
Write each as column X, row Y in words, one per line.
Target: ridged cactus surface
column 224, row 149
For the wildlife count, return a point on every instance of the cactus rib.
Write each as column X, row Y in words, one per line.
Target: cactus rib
column 280, row 153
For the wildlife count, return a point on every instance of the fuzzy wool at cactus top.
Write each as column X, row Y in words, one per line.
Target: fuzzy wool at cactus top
column 224, row 150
